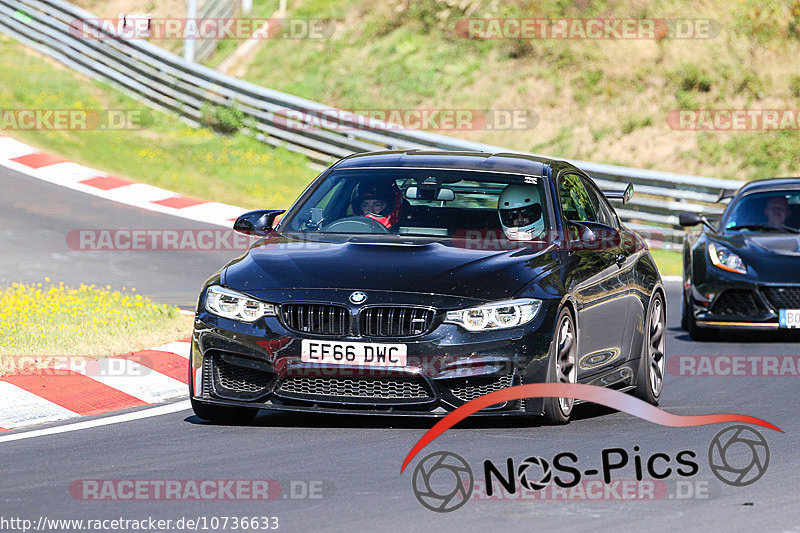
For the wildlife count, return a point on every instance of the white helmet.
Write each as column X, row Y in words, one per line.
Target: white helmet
column 521, row 214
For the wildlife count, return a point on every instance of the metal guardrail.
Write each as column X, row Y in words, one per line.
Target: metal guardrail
column 213, row 9
column 164, row 80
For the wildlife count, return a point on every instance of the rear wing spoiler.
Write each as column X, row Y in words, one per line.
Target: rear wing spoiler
column 624, row 195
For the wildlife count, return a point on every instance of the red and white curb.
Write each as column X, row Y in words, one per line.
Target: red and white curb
column 53, row 169
column 139, row 378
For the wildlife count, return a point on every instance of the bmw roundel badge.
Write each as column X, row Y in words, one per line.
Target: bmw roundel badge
column 358, row 297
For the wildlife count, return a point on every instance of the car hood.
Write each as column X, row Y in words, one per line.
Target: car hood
column 438, row 267
column 778, row 244
column 770, row 257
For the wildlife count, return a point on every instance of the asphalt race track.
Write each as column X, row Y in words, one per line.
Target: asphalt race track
column 356, row 459
column 37, row 217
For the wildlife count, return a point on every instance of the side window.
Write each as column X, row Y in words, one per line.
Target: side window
column 575, row 200
column 605, row 215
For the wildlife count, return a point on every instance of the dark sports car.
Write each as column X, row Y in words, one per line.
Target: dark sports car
column 743, row 271
column 408, row 283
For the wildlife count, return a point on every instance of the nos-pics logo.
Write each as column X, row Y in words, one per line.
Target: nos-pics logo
column 738, row 456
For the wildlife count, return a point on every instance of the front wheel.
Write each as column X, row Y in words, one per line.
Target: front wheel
column 685, row 312
column 563, row 367
column 696, row 332
column 650, row 380
column 223, row 414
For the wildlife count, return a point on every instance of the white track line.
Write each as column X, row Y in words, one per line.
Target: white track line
column 11, row 148
column 86, row 424
column 69, row 174
column 138, row 381
column 181, row 348
column 28, row 408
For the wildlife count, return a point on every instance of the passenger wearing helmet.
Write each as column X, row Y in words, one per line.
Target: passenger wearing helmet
column 520, row 209
column 379, row 201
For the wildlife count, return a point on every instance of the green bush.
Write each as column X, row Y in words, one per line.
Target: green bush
column 762, row 20
column 225, row 119
column 442, row 14
column 635, row 122
column 691, row 78
column 794, row 85
column 751, row 84
column 793, row 28
column 144, row 118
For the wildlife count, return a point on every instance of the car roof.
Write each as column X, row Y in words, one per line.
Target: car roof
column 770, row 184
column 498, row 162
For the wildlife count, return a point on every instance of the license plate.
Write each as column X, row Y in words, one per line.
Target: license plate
column 353, row 353
column 789, row 318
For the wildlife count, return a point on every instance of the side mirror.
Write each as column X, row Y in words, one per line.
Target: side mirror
column 581, row 236
column 628, row 194
column 593, row 236
column 624, row 196
column 257, row 223
column 688, row 219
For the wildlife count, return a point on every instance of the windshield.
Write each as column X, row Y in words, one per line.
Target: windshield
column 424, row 202
column 773, row 211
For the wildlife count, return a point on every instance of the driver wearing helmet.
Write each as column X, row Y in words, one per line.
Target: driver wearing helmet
column 379, row 201
column 520, row 209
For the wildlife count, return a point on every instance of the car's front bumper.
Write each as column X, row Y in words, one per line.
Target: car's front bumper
column 259, row 365
column 737, row 304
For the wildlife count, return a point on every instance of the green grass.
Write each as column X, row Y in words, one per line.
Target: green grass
column 37, row 321
column 162, row 151
column 407, row 53
column 262, row 9
column 669, row 262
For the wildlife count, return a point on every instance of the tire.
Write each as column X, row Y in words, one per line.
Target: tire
column 563, row 367
column 650, row 377
column 222, row 414
column 685, row 312
column 696, row 332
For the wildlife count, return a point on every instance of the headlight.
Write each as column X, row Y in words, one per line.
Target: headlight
column 723, row 258
column 495, row 316
column 231, row 304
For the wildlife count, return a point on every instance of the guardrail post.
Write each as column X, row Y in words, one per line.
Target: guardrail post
column 189, row 42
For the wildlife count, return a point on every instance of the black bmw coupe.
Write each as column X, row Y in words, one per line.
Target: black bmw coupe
column 410, row 282
column 742, row 272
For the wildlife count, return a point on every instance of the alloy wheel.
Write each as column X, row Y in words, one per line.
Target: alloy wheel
column 566, row 369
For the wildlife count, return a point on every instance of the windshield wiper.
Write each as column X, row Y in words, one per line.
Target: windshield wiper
column 764, row 227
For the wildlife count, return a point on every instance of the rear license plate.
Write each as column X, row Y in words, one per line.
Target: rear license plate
column 353, row 353
column 789, row 318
